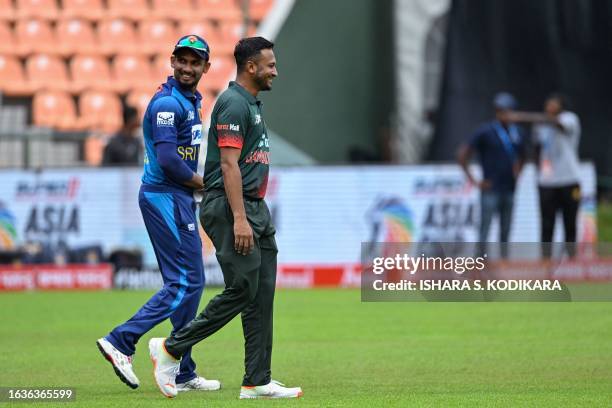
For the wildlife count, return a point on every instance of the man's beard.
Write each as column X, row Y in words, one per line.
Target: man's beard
column 192, row 82
column 262, row 83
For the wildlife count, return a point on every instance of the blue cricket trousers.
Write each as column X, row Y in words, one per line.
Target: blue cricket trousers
column 172, row 226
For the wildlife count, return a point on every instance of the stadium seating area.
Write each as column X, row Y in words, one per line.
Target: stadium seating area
column 80, row 60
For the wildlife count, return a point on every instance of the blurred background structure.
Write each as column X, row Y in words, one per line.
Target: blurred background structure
column 395, row 83
column 383, row 81
column 67, row 68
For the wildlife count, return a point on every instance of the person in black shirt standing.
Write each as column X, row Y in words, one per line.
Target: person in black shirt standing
column 500, row 147
column 125, row 148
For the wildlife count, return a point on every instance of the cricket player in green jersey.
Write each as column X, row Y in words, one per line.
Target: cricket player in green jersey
column 237, row 220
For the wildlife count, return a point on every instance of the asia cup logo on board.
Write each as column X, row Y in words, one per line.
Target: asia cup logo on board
column 51, row 189
column 391, row 220
column 8, row 229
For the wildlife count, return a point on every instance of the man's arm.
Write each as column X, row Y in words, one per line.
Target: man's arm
column 536, row 117
column 232, row 122
column 196, row 182
column 232, row 179
column 164, row 117
column 175, row 168
column 463, row 157
column 518, row 164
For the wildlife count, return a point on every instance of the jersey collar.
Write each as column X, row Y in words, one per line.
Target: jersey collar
column 187, row 94
column 247, row 95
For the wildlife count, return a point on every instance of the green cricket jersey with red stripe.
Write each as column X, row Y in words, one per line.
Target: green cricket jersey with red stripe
column 237, row 122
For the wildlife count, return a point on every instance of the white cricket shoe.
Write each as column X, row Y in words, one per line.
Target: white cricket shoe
column 199, row 384
column 273, row 389
column 121, row 363
column 165, row 367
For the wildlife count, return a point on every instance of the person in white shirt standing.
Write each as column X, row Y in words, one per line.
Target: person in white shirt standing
column 557, row 136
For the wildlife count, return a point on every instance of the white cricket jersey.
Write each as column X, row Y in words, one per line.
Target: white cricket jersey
column 559, row 165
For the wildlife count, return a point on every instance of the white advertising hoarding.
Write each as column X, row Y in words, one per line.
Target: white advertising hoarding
column 322, row 214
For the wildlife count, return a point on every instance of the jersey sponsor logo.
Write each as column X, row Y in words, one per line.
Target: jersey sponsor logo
column 230, row 126
column 264, row 141
column 188, row 152
column 257, row 119
column 258, row 156
column 191, row 227
column 190, row 115
column 196, row 134
column 165, row 118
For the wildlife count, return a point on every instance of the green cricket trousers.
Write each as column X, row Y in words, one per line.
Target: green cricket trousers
column 250, row 281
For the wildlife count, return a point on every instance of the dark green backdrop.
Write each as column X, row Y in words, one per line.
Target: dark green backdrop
column 335, row 82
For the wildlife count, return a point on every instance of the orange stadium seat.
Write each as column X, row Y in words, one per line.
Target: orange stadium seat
column 45, row 9
column 47, row 72
column 100, row 110
column 7, row 39
column 117, row 35
column 34, row 35
column 140, row 100
column 12, row 77
column 258, row 9
column 220, row 73
column 93, row 149
column 54, row 109
column 7, row 10
column 227, row 10
column 131, row 72
column 157, row 36
column 230, row 33
column 89, row 72
column 174, row 9
column 129, row 9
column 75, row 36
column 208, row 101
column 161, row 68
column 88, row 9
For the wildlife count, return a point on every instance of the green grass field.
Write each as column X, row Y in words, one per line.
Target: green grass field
column 341, row 351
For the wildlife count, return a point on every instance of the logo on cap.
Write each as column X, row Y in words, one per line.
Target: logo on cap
column 192, row 39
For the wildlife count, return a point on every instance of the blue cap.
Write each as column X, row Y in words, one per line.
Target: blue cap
column 195, row 43
column 504, row 101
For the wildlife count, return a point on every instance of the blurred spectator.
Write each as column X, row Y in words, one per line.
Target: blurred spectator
column 91, row 255
column 61, row 253
column 125, row 148
column 10, row 256
column 126, row 258
column 34, row 253
column 557, row 135
column 501, row 150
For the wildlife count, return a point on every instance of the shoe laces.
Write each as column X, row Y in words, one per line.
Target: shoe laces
column 277, row 386
column 199, row 380
column 122, row 359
